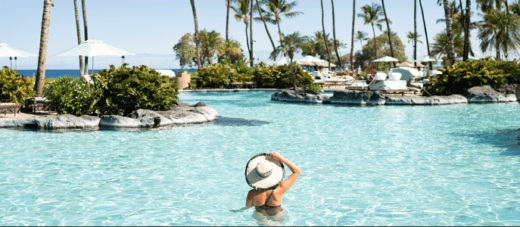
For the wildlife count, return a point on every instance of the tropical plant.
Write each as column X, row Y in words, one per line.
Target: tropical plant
column 124, row 90
column 265, row 24
column 200, row 63
column 185, row 51
column 411, row 38
column 440, row 46
column 68, row 95
column 281, row 77
column 360, row 37
column 241, row 11
column 85, row 27
column 275, row 9
column 14, row 87
column 291, row 44
column 383, row 49
column 449, row 33
column 334, row 35
column 373, row 15
column 325, row 39
column 425, row 32
column 42, row 57
column 315, row 45
column 500, row 30
column 466, row 74
column 78, row 31
column 389, row 32
column 228, row 7
column 212, row 45
column 352, row 37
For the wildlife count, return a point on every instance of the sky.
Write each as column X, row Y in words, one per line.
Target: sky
column 151, row 28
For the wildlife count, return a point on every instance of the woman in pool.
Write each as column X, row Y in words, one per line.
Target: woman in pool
column 265, row 173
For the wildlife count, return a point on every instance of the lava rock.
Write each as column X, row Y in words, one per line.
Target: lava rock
column 422, row 100
column 299, row 96
column 485, row 94
column 362, row 98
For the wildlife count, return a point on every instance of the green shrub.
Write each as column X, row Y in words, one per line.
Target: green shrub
column 280, row 77
column 466, row 74
column 214, row 76
column 125, row 90
column 15, row 87
column 71, row 96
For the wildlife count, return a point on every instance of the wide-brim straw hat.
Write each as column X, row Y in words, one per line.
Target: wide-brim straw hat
column 264, row 173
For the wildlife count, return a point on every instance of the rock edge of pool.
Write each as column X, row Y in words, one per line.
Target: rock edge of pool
column 474, row 95
column 141, row 119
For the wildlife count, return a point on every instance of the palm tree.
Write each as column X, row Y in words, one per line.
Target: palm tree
column 425, row 32
column 251, row 55
column 372, row 15
column 449, row 33
column 489, row 5
column 440, row 46
column 334, row 34
column 276, row 9
column 242, row 14
column 200, row 63
column 85, row 27
column 44, row 39
column 352, row 40
column 228, row 7
column 265, row 24
column 412, row 38
column 78, row 29
column 500, row 30
column 389, row 31
column 467, row 23
column 291, row 44
column 360, row 37
column 415, row 33
column 324, row 33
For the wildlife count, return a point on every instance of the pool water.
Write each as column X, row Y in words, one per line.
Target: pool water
column 386, row 165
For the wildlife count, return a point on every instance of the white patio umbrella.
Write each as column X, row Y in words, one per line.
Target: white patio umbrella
column 428, row 59
column 386, row 59
column 7, row 51
column 469, row 58
column 92, row 48
column 283, row 61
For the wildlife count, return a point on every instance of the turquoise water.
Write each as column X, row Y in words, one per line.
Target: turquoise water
column 389, row 165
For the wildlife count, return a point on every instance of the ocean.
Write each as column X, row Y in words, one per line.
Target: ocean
column 74, row 73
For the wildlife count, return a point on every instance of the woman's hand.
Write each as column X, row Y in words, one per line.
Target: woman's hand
column 276, row 156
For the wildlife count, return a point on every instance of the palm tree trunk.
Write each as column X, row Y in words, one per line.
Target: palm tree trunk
column 334, row 34
column 85, row 27
column 415, row 32
column 251, row 55
column 78, row 29
column 389, row 32
column 447, row 14
column 466, row 30
column 227, row 20
column 247, row 40
column 292, row 72
column 425, row 33
column 44, row 39
column 200, row 64
column 279, row 31
column 498, row 49
column 352, row 41
column 325, row 34
column 375, row 42
column 265, row 25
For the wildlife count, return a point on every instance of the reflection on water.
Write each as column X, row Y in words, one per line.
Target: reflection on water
column 508, row 139
column 225, row 121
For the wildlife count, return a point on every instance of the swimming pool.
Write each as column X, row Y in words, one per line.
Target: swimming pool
column 385, row 165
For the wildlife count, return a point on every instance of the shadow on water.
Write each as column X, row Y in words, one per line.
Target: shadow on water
column 225, row 121
column 507, row 138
